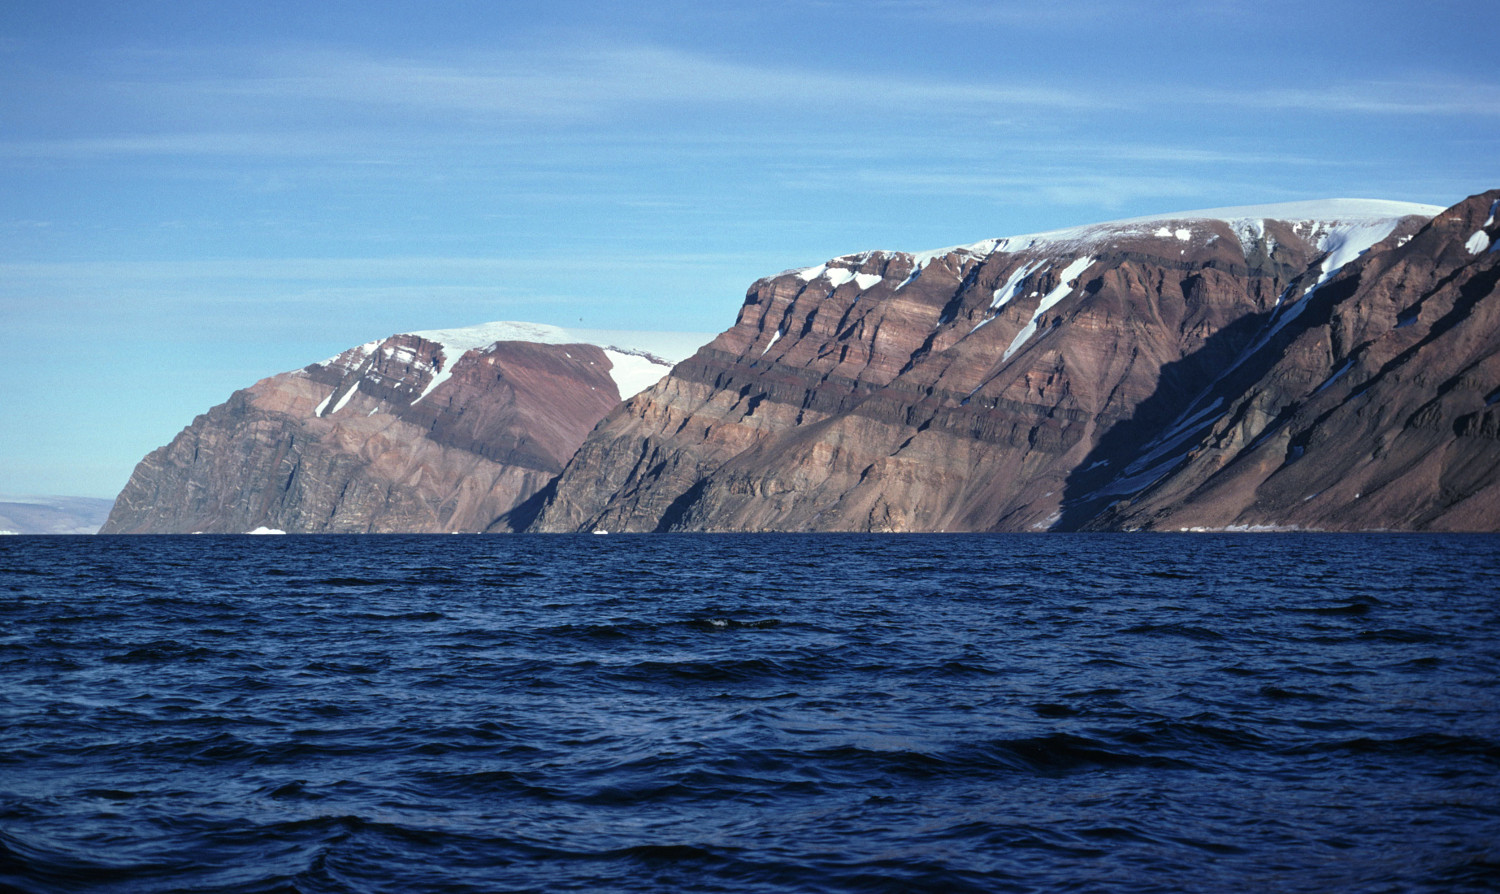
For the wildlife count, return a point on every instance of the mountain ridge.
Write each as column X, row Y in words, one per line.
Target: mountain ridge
column 1181, row 371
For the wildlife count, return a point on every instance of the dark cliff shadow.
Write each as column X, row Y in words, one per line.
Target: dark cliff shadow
column 523, row 514
column 1212, row 367
column 680, row 506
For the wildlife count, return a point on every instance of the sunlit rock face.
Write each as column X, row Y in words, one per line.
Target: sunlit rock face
column 1324, row 364
column 420, row 432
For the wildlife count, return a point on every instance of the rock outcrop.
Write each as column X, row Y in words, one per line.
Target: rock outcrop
column 1328, row 365
column 421, row 432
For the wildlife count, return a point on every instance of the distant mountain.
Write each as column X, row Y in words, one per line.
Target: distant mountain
column 52, row 515
column 1331, row 365
column 437, row 431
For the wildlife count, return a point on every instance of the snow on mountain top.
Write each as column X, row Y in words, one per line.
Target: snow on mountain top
column 639, row 358
column 1326, row 219
column 1322, row 214
column 670, row 347
column 1346, row 210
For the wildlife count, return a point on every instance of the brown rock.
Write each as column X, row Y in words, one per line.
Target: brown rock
column 1021, row 384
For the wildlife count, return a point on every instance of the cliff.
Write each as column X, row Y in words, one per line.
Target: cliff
column 1326, row 365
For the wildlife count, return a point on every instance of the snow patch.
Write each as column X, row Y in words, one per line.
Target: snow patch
column 837, row 276
column 1013, row 285
column 634, row 373
column 774, row 339
column 867, row 281
column 1346, row 242
column 1063, row 290
column 1478, row 243
column 343, row 401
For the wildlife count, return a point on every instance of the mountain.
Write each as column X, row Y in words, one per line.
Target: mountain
column 437, row 431
column 1328, row 365
column 52, row 515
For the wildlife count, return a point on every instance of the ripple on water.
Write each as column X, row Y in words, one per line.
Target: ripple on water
column 749, row 713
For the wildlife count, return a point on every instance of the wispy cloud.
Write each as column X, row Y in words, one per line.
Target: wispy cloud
column 590, row 83
column 317, row 102
column 1418, row 96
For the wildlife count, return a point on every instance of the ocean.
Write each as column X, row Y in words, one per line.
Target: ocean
column 750, row 713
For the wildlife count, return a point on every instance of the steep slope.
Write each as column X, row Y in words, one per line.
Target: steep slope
column 971, row 388
column 1373, row 403
column 435, row 431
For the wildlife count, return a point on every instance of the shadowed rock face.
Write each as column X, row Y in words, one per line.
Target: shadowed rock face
column 1376, row 407
column 355, row 445
column 1168, row 373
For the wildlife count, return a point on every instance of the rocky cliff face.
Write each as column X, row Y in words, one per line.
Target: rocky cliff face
column 1326, row 365
column 422, row 432
column 1371, row 403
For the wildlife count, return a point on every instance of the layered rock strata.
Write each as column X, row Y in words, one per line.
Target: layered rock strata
column 421, row 432
column 1373, row 403
column 1325, row 365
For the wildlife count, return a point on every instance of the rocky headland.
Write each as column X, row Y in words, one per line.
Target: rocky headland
column 441, row 431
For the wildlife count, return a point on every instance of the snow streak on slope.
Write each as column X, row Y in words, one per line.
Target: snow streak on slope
column 1063, row 290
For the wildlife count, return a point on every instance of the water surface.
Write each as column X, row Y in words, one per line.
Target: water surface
column 732, row 713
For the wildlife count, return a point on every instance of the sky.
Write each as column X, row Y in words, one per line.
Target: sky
column 194, row 196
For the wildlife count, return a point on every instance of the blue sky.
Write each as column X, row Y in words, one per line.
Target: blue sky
column 197, row 195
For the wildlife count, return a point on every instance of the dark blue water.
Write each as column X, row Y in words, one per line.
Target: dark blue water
column 750, row 713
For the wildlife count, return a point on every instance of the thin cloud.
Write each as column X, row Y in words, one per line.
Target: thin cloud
column 591, row 84
column 1415, row 97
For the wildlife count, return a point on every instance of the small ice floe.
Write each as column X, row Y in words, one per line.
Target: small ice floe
column 265, row 530
column 600, row 531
